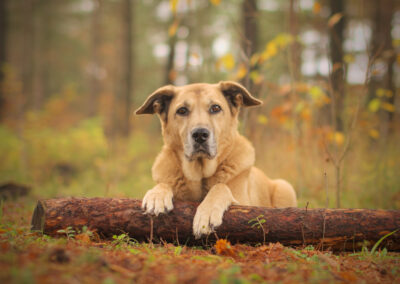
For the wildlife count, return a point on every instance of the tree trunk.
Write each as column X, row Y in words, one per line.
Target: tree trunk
column 3, row 46
column 122, row 108
column 338, row 229
column 169, row 68
column 38, row 58
column 336, row 53
column 27, row 55
column 249, row 47
column 382, row 47
column 95, row 64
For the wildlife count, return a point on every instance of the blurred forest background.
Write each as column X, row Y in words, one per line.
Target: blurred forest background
column 72, row 73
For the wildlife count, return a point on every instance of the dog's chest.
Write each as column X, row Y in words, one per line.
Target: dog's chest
column 196, row 190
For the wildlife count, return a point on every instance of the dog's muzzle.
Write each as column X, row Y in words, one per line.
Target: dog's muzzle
column 201, row 143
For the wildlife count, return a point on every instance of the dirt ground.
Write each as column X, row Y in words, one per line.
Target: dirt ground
column 82, row 257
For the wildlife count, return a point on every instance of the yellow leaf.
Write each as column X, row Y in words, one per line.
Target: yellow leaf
column 228, row 61
column 262, row 119
column 338, row 138
column 256, row 77
column 374, row 133
column 389, row 93
column 388, row 107
column 283, row 39
column 316, row 93
column 374, row 105
column 173, row 4
column 173, row 28
column 380, row 92
column 316, row 8
column 398, row 59
column 270, row 50
column 348, row 58
column 254, row 59
column 299, row 107
column 215, row 2
column 334, row 19
column 242, row 71
column 396, row 43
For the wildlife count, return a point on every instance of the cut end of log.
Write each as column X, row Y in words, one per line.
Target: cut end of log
column 38, row 218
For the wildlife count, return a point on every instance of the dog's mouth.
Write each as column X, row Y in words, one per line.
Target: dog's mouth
column 200, row 151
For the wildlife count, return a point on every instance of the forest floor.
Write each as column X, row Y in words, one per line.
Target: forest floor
column 27, row 257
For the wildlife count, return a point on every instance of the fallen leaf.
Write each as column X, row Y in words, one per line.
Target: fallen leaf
column 224, row 247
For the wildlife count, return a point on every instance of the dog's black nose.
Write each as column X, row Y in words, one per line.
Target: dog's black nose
column 200, row 135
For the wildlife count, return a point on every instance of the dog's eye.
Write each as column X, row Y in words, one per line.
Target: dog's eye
column 215, row 109
column 182, row 111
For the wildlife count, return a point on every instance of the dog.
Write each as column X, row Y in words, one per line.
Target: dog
column 204, row 158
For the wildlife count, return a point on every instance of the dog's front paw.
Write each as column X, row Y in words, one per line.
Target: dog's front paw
column 206, row 220
column 158, row 200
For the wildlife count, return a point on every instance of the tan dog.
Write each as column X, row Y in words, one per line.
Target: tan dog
column 204, row 157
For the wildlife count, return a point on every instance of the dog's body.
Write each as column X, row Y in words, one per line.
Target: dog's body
column 204, row 158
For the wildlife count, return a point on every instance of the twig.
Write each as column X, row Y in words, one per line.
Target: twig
column 323, row 232
column 151, row 230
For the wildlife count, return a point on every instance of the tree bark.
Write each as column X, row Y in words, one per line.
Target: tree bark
column 169, row 67
column 122, row 107
column 249, row 44
column 336, row 34
column 382, row 48
column 95, row 64
column 3, row 46
column 338, row 229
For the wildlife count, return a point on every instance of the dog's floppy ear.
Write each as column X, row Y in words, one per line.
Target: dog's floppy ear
column 237, row 95
column 158, row 102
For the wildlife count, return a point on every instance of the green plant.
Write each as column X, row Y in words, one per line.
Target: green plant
column 230, row 275
column 380, row 241
column 123, row 239
column 258, row 223
column 178, row 250
column 1, row 210
column 69, row 232
column 85, row 230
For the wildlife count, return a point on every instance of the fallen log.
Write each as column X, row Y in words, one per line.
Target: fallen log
column 338, row 229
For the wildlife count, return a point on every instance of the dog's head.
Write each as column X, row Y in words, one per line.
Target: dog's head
column 197, row 118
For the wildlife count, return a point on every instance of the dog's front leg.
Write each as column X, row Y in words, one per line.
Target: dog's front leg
column 158, row 199
column 210, row 212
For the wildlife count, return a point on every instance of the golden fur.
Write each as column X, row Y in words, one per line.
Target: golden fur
column 222, row 174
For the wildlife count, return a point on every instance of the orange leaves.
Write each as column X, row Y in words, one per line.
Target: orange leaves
column 224, row 247
column 334, row 19
column 373, row 133
column 317, row 8
column 173, row 28
column 84, row 238
column 336, row 137
column 241, row 72
column 215, row 2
